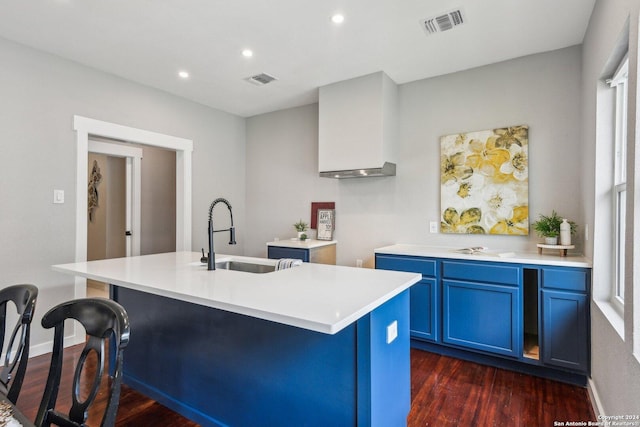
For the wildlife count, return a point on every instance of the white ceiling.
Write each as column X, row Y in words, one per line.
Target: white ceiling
column 149, row 41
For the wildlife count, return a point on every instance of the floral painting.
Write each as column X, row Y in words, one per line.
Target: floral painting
column 485, row 182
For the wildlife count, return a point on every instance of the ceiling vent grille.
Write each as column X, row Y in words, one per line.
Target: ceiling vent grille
column 261, row 79
column 444, row 22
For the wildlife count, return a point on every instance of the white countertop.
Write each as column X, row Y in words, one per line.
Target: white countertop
column 299, row 244
column 488, row 255
column 318, row 297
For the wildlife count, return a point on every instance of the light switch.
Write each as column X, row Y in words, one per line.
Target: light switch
column 392, row 331
column 58, row 196
column 433, row 227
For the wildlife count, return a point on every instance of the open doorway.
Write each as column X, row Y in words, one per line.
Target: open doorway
column 113, row 193
column 182, row 149
column 106, row 227
column 131, row 194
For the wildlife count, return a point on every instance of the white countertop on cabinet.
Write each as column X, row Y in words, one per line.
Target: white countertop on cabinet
column 318, row 297
column 487, row 255
column 299, row 244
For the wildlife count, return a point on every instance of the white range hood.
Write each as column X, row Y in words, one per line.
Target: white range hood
column 358, row 127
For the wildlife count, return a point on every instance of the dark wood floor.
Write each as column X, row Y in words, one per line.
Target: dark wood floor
column 453, row 392
column 444, row 392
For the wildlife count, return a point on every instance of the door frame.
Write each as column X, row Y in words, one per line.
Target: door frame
column 86, row 127
column 133, row 162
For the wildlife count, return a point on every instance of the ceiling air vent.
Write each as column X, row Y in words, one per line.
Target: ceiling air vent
column 444, row 22
column 261, row 79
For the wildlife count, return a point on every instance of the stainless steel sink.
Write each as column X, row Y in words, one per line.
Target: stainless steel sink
column 247, row 267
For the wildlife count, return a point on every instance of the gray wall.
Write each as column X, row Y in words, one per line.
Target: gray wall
column 40, row 95
column 542, row 91
column 282, row 177
column 158, row 201
column 615, row 370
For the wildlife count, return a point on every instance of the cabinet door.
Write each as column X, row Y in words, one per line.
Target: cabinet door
column 277, row 252
column 482, row 316
column 425, row 295
column 565, row 338
column 424, row 310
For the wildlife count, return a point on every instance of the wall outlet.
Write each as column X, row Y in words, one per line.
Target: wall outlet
column 433, row 226
column 58, row 196
column 392, row 331
column 359, row 263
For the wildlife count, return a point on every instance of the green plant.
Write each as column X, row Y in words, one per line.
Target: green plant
column 549, row 226
column 301, row 226
column 303, row 237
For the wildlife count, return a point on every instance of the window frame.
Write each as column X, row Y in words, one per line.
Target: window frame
column 619, row 83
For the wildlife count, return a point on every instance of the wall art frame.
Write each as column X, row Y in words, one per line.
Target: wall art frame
column 484, row 178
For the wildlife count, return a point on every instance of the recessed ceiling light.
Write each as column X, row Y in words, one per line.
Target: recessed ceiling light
column 247, row 53
column 337, row 18
column 183, row 74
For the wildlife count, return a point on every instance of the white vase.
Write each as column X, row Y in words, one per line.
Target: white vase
column 551, row 240
column 565, row 233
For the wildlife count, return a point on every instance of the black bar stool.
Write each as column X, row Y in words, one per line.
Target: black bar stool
column 13, row 369
column 102, row 319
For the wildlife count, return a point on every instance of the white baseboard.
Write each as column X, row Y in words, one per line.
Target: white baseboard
column 595, row 399
column 46, row 347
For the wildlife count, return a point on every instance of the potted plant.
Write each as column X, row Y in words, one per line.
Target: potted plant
column 301, row 227
column 549, row 227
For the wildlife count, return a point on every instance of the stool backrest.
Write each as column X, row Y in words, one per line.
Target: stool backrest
column 14, row 363
column 102, row 320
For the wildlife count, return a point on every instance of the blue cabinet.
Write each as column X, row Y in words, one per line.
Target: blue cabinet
column 424, row 315
column 425, row 295
column 314, row 251
column 481, row 307
column 277, row 252
column 565, row 318
column 522, row 316
column 482, row 317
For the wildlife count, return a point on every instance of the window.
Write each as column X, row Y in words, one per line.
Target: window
column 619, row 83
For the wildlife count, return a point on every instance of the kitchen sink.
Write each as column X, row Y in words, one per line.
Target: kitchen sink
column 247, row 267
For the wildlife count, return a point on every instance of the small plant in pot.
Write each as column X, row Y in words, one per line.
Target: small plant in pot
column 549, row 227
column 301, row 227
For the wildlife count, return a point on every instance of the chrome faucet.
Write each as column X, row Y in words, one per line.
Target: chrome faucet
column 211, row 259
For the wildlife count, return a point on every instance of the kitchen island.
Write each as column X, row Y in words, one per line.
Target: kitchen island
column 310, row 345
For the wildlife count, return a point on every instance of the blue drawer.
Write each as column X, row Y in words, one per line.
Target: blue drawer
column 424, row 266
column 481, row 272
column 571, row 279
column 278, row 252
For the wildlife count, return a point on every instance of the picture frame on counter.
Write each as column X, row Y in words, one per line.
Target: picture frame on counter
column 326, row 224
column 314, row 212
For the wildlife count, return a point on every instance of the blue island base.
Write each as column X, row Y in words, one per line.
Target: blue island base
column 224, row 369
